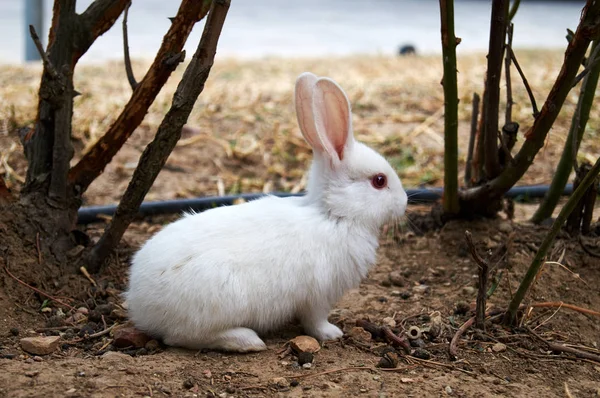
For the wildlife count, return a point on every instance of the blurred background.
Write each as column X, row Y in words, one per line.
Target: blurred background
column 313, row 28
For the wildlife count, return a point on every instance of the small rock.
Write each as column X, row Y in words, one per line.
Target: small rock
column 188, row 383
column 14, row 331
column 421, row 353
column 363, row 390
column 406, row 380
column 88, row 329
column 115, row 356
column 448, row 390
column 304, row 344
column 307, row 365
column 280, row 382
column 397, row 279
column 294, row 383
column 76, row 317
column 385, row 283
column 389, row 360
column 405, row 295
column 421, row 289
column 40, row 345
column 462, row 307
column 83, row 310
column 417, row 343
column 499, row 347
column 389, row 321
column 118, row 314
column 305, row 357
column 32, row 373
column 105, row 309
column 395, row 293
column 38, row 359
column 468, row 290
column 505, row 227
column 129, row 337
column 359, row 334
column 95, row 316
column 152, row 345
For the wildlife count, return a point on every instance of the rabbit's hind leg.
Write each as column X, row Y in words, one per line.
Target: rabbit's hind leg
column 237, row 339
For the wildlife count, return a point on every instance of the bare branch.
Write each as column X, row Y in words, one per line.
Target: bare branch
column 588, row 29
column 472, row 136
column 509, row 99
column 156, row 153
column 165, row 62
column 95, row 20
column 536, row 112
column 128, row 69
column 38, row 44
column 493, row 76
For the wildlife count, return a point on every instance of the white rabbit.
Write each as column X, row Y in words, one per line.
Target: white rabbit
column 216, row 279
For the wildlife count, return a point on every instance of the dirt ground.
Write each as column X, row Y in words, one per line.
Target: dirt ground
column 424, row 276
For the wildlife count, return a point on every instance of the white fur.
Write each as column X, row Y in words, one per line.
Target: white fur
column 216, row 279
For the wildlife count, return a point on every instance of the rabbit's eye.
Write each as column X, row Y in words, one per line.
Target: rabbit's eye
column 379, row 181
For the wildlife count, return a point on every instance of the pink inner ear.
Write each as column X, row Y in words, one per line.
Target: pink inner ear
column 332, row 116
column 304, row 109
column 336, row 121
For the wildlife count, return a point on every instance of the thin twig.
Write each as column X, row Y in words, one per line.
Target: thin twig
column 483, row 277
column 554, row 304
column 396, row 339
column 39, row 291
column 128, row 69
column 46, row 61
column 431, row 363
column 592, row 60
column 454, row 342
column 561, row 348
column 304, row 376
column 525, row 83
column 37, row 245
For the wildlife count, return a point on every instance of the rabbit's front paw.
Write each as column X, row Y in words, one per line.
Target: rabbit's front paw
column 327, row 331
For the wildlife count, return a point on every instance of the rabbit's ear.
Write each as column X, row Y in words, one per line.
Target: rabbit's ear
column 305, row 85
column 333, row 123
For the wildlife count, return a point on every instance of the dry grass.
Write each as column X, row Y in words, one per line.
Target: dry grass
column 245, row 121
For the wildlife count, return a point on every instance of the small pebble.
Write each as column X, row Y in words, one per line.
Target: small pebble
column 421, row 353
column 417, row 342
column 294, row 383
column 448, row 390
column 14, row 331
column 280, row 382
column 305, row 357
column 397, row 279
column 38, row 359
column 421, row 289
column 405, row 295
column 304, row 344
column 152, row 345
column 389, row 321
column 307, row 365
column 468, row 290
column 188, row 383
column 363, row 390
column 462, row 307
column 499, row 347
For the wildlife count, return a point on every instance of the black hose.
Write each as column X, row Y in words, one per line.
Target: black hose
column 87, row 215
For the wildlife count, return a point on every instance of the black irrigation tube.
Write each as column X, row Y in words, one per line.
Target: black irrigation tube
column 87, row 215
